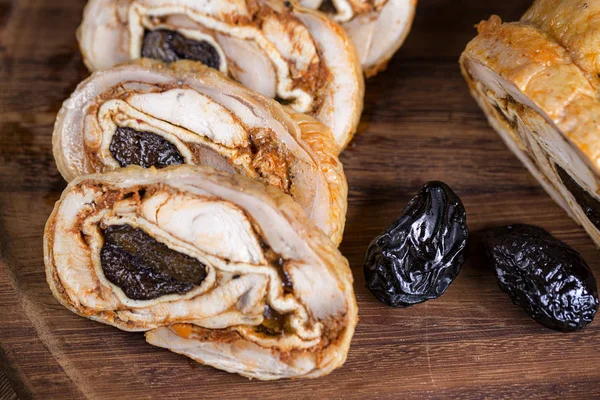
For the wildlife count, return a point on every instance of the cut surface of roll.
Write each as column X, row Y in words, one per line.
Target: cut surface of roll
column 151, row 114
column 211, row 265
column 277, row 48
column 378, row 28
column 537, row 83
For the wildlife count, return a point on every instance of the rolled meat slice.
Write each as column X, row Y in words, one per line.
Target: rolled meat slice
column 277, row 48
column 211, row 265
column 378, row 28
column 151, row 114
column 536, row 80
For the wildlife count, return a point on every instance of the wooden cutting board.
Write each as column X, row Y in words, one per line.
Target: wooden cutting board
column 419, row 124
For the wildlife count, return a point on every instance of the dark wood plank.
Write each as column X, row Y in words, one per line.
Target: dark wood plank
column 419, row 124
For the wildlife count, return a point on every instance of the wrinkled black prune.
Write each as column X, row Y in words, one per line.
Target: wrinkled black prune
column 546, row 277
column 146, row 149
column 170, row 46
column 144, row 268
column 420, row 254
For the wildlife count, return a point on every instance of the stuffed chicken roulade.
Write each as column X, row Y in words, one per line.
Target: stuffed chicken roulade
column 283, row 51
column 378, row 28
column 153, row 115
column 215, row 266
column 537, row 82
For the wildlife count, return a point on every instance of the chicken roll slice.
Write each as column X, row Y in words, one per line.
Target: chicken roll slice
column 276, row 48
column 543, row 104
column 153, row 115
column 212, row 265
column 378, row 28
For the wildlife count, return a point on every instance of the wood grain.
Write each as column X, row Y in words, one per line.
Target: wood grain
column 419, row 124
column 6, row 390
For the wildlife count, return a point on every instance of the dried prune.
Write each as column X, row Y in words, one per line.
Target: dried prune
column 545, row 276
column 422, row 252
column 144, row 268
column 170, row 46
column 146, row 149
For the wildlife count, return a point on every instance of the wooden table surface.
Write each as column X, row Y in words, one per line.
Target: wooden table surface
column 6, row 390
column 419, row 124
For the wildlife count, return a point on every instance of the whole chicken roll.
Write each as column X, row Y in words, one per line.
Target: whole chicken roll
column 274, row 47
column 151, row 114
column 211, row 265
column 537, row 82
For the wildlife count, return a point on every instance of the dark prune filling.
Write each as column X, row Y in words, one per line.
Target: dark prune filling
column 328, row 7
column 170, row 46
column 274, row 324
column 146, row 149
column 144, row 268
column 589, row 205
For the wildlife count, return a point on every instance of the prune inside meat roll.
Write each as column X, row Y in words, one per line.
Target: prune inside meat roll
column 277, row 48
column 151, row 114
column 212, row 265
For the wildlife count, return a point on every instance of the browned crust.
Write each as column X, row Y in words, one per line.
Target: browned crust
column 545, row 73
column 574, row 25
column 548, row 58
column 320, row 140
